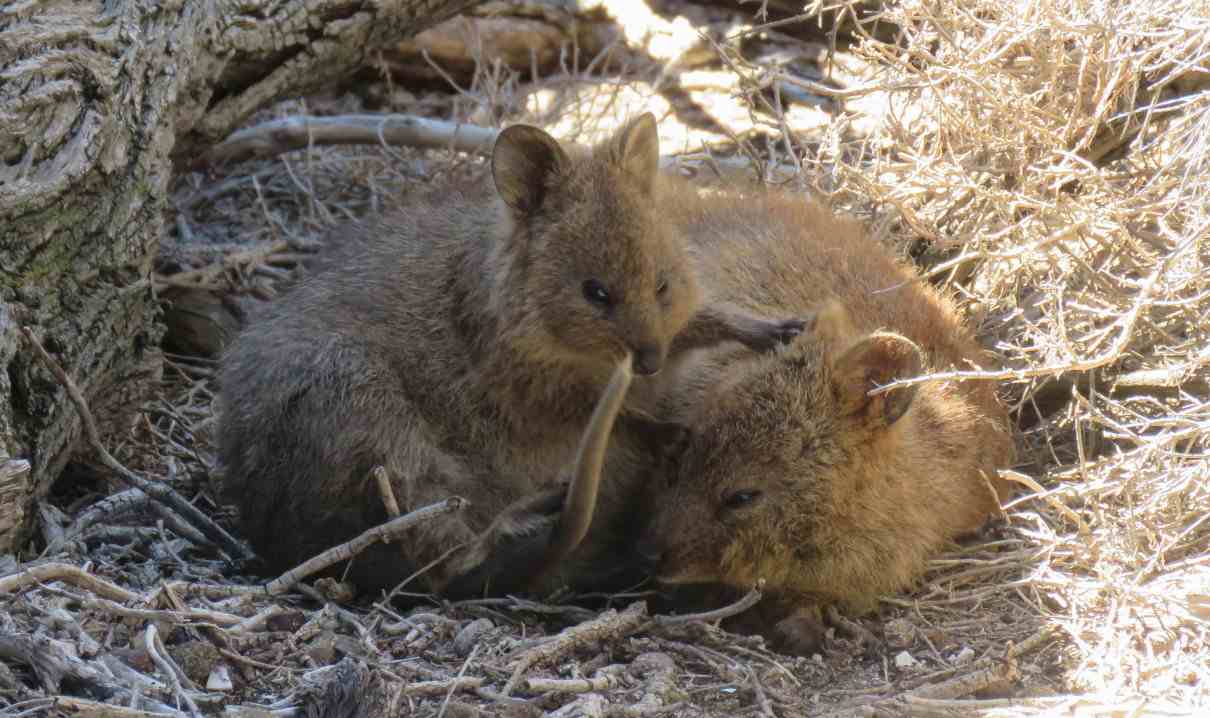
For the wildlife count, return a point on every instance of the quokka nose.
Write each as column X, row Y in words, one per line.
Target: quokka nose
column 648, row 360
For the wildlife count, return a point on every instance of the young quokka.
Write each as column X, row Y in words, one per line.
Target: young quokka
column 462, row 344
column 787, row 470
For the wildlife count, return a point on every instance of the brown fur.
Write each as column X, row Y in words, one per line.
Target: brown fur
column 454, row 344
column 848, row 495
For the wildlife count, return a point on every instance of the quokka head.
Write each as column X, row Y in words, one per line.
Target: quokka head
column 766, row 453
column 601, row 271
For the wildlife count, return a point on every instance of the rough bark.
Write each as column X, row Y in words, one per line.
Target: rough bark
column 98, row 101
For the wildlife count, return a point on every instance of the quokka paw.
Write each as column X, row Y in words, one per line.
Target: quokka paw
column 801, row 634
column 767, row 335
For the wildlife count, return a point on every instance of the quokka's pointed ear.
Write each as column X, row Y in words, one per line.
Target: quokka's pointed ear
column 525, row 161
column 636, row 150
column 831, row 325
column 875, row 360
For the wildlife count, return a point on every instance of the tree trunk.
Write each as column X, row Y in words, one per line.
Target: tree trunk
column 98, row 101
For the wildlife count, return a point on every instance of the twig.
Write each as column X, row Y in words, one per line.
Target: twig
column 158, row 491
column 455, row 683
column 82, row 706
column 384, row 488
column 449, row 686
column 818, row 88
column 45, row 572
column 762, row 699
column 169, row 668
column 605, row 679
column 610, row 624
column 180, row 617
column 349, row 549
column 295, row 133
column 748, row 601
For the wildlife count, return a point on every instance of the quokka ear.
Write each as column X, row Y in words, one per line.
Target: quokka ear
column 525, row 161
column 876, row 360
column 636, row 150
column 831, row 325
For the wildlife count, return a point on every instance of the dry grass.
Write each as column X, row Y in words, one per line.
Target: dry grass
column 1047, row 162
column 1055, row 157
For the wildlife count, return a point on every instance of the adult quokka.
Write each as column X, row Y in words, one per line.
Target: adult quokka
column 461, row 343
column 786, row 468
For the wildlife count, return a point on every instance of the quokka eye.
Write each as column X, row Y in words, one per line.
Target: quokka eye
column 740, row 499
column 596, row 293
column 662, row 288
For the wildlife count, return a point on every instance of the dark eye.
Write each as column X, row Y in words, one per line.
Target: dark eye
column 739, row 499
column 662, row 288
column 596, row 293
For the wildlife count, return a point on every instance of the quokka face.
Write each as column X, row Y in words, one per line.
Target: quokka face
column 775, row 461
column 603, row 273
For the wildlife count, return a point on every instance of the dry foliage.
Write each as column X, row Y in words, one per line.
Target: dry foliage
column 1048, row 162
column 1055, row 157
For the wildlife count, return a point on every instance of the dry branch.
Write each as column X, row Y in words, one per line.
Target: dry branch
column 441, row 688
column 293, row 133
column 176, row 678
column 605, row 679
column 610, row 625
column 298, row 132
column 383, row 532
column 748, row 601
column 47, row 572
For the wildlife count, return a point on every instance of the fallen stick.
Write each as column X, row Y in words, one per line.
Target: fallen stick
column 75, row 575
column 81, row 706
column 605, row 679
column 437, row 688
column 293, row 133
column 748, row 601
column 183, row 617
column 610, row 624
column 158, row 491
column 382, row 532
column 176, row 677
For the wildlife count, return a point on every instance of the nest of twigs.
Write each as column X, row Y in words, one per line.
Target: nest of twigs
column 1047, row 163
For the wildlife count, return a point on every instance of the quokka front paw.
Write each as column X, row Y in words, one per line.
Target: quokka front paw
column 765, row 335
column 801, row 634
column 512, row 551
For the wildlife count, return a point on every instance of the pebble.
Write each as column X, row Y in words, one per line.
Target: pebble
column 219, row 679
column 903, row 660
